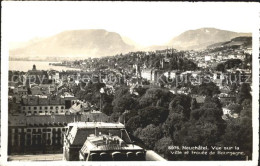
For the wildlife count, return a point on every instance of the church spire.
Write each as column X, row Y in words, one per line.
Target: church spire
column 34, row 67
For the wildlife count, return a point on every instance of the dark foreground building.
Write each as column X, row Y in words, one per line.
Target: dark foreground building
column 99, row 141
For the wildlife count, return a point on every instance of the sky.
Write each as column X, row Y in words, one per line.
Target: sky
column 146, row 23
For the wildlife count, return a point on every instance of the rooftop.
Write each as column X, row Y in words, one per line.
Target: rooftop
column 106, row 142
column 79, row 131
column 96, row 124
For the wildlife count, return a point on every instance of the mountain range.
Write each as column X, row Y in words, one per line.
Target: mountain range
column 79, row 44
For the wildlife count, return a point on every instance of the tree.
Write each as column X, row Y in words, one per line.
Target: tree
column 140, row 90
column 181, row 104
column 194, row 104
column 239, row 133
column 162, row 145
column 244, row 93
column 246, row 108
column 149, row 135
column 235, row 108
column 153, row 115
column 114, row 116
column 107, row 109
column 173, row 123
column 152, row 95
column 122, row 103
column 209, row 100
column 220, row 67
column 133, row 123
column 121, row 91
column 208, row 89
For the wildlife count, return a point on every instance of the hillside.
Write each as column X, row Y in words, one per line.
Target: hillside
column 238, row 41
column 201, row 38
column 81, row 44
column 74, row 44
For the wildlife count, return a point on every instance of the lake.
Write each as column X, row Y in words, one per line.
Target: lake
column 40, row 65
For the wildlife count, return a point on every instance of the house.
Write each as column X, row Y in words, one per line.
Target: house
column 40, row 90
column 21, row 90
column 207, row 58
column 226, row 99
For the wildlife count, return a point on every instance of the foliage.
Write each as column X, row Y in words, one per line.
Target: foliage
column 149, row 135
column 153, row 115
column 207, row 89
column 235, row 108
column 244, row 93
column 152, row 95
column 161, row 146
column 230, row 63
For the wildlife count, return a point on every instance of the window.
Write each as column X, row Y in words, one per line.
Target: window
column 56, row 112
column 40, row 111
column 46, row 111
column 35, row 112
column 29, row 112
column 35, row 108
column 57, row 107
column 29, row 108
column 51, row 108
column 46, row 108
column 40, row 108
column 62, row 107
column 23, row 108
column 28, row 136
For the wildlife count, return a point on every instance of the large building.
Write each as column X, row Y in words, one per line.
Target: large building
column 46, row 104
column 38, row 133
column 97, row 141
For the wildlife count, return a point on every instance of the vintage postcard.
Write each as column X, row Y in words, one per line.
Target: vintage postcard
column 129, row 83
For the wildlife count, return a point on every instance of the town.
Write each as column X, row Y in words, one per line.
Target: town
column 143, row 100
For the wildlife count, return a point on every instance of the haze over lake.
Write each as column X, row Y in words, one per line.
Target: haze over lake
column 40, row 65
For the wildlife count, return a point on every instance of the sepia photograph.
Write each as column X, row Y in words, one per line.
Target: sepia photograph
column 129, row 81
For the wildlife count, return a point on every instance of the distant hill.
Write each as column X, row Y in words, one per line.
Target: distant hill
column 74, row 44
column 239, row 41
column 201, row 38
column 80, row 44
